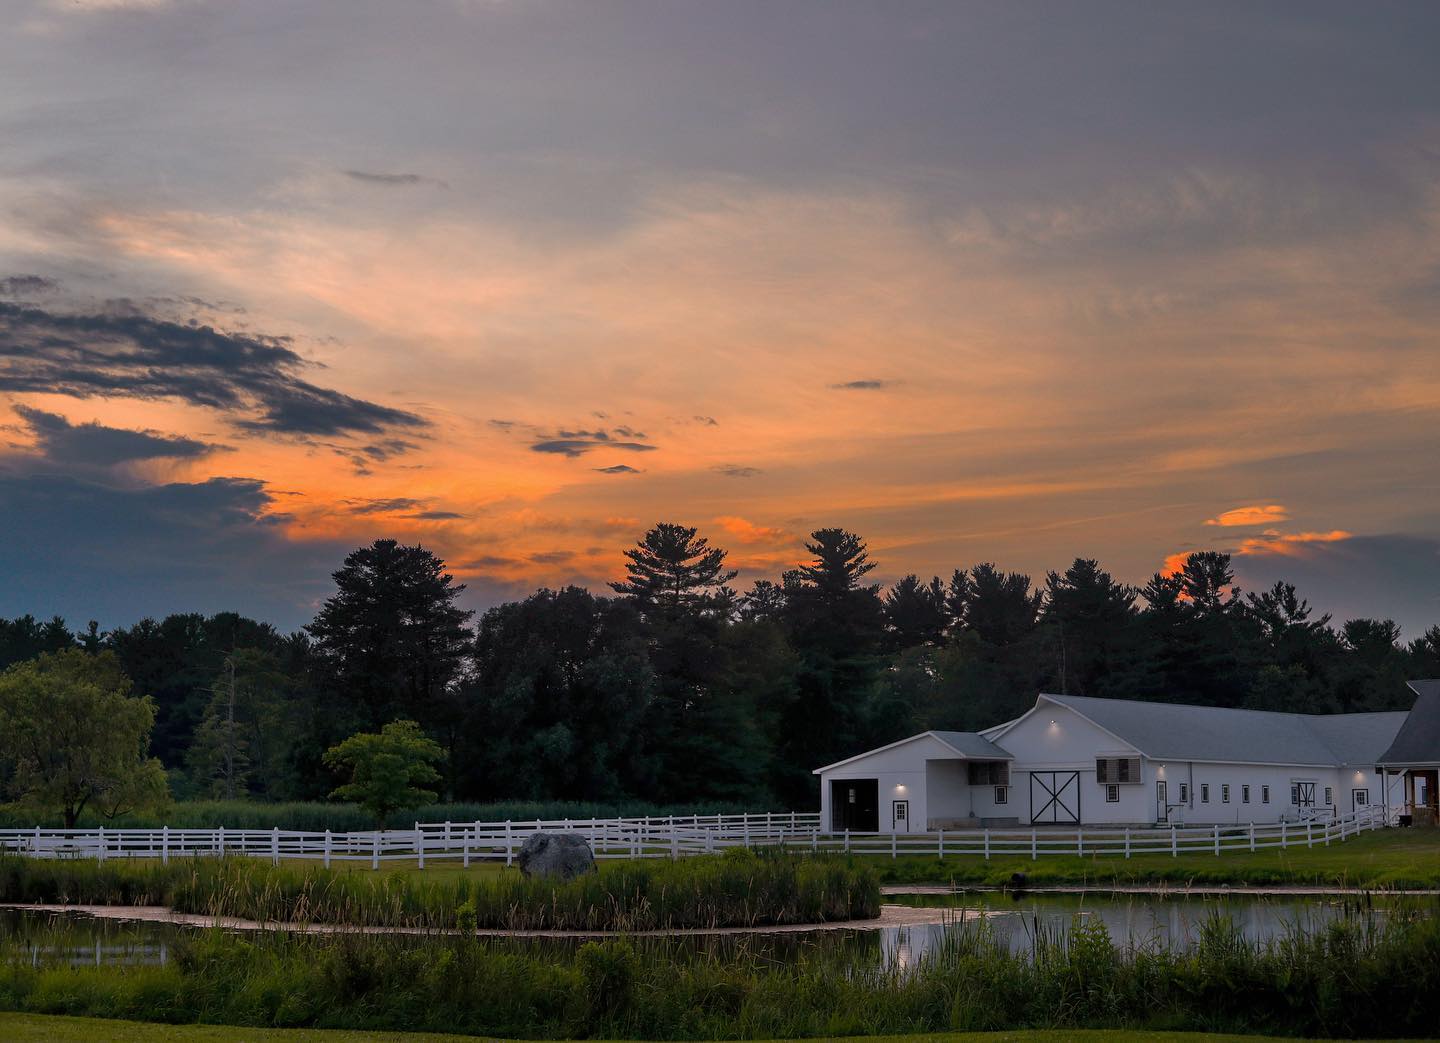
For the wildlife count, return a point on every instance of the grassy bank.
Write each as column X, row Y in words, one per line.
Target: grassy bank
column 1351, row 979
column 1390, row 858
column 737, row 889
column 318, row 816
column 49, row 1028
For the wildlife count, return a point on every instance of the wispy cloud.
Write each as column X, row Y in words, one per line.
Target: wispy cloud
column 863, row 385
column 1289, row 543
column 619, row 469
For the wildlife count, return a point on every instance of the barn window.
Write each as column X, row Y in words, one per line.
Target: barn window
column 1112, row 794
column 1361, row 798
column 1225, row 793
column 1111, row 771
column 1244, row 794
column 1328, row 794
column 1002, row 794
column 1184, row 793
column 1204, row 793
column 1264, row 794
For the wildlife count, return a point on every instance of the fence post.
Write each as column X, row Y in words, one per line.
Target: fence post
column 1127, row 841
column 420, row 845
column 1283, row 841
column 847, row 841
column 674, row 840
column 220, row 841
column 987, row 845
column 375, row 850
column 1326, row 834
column 815, row 839
column 939, row 846
column 1309, row 832
column 1080, row 841
column 327, row 849
column 745, row 829
column 164, row 845
column 100, row 836
column 35, row 844
column 1217, row 839
column 1034, row 847
column 1252, row 836
column 509, row 844
column 1174, row 844
column 893, row 844
column 275, row 845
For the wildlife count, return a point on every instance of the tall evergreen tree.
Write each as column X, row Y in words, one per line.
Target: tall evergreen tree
column 672, row 570
column 915, row 613
column 392, row 642
column 1093, row 621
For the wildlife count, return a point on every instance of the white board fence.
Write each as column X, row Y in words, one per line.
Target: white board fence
column 672, row 837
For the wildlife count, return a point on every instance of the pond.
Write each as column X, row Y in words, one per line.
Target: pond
column 1017, row 921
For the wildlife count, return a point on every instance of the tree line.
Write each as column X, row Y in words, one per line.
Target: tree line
column 675, row 686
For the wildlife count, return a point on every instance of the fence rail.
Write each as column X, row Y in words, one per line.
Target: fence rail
column 673, row 837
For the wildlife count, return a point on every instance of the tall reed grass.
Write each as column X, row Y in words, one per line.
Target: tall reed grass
column 1352, row 978
column 737, row 889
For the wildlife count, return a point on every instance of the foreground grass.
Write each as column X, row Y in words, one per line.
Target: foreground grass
column 45, row 1028
column 1389, row 858
column 737, row 889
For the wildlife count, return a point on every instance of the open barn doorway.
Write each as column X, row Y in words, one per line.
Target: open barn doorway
column 855, row 805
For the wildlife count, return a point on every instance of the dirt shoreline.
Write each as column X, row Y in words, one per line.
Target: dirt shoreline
column 890, row 916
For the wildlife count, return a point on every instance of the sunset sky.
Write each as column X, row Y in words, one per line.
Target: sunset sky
column 517, row 278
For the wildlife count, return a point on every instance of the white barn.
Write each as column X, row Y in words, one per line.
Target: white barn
column 1073, row 759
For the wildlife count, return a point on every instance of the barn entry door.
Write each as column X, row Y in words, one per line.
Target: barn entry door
column 1055, row 796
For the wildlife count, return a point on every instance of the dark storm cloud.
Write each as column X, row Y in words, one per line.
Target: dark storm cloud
column 89, row 551
column 862, row 385
column 736, row 471
column 137, row 356
column 619, row 469
column 25, row 285
column 95, row 444
column 577, row 443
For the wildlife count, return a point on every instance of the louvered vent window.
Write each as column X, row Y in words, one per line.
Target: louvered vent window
column 989, row 773
column 1112, row 771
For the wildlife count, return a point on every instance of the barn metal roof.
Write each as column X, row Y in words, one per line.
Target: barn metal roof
column 972, row 745
column 1418, row 741
column 1176, row 731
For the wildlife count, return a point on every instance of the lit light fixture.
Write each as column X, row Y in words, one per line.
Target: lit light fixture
column 1052, row 720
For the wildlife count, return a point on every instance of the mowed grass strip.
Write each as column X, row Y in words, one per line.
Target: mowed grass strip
column 1397, row 859
column 49, row 1028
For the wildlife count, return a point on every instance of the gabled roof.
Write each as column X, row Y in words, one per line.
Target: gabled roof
column 1176, row 731
column 1418, row 740
column 965, row 746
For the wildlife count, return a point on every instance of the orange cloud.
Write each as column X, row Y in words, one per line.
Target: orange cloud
column 748, row 532
column 1288, row 543
column 1255, row 515
column 1174, row 563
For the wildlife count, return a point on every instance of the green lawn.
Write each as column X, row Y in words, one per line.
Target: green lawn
column 1391, row 858
column 42, row 1028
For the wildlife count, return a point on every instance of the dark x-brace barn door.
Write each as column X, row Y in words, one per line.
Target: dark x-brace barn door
column 1054, row 796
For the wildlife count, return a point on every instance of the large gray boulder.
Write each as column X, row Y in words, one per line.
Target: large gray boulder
column 565, row 855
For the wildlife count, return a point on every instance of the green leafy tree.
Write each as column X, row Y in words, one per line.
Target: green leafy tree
column 388, row 770
column 77, row 738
